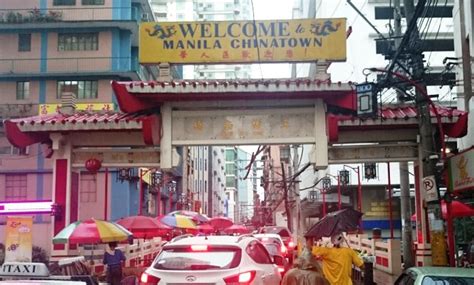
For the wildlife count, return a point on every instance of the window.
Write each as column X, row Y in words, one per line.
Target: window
column 24, row 42
column 87, row 89
column 19, row 150
column 92, row 2
column 74, row 42
column 88, row 191
column 15, row 187
column 258, row 253
column 22, row 90
column 64, row 2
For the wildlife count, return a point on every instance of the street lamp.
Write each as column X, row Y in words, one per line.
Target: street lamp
column 326, row 187
column 359, row 188
column 172, row 190
column 338, row 178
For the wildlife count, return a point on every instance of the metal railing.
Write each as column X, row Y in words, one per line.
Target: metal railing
column 62, row 65
column 59, row 14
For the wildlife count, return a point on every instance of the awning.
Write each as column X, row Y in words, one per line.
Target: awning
column 458, row 210
column 23, row 132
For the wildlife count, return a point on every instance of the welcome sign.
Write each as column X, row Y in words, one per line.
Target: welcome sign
column 243, row 41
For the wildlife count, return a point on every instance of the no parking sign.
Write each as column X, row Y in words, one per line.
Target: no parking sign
column 431, row 191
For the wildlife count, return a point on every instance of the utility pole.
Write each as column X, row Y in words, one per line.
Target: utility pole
column 285, row 199
column 408, row 260
column 429, row 153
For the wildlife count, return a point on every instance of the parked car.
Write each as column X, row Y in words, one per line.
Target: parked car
column 277, row 249
column 285, row 235
column 273, row 239
column 436, row 275
column 216, row 260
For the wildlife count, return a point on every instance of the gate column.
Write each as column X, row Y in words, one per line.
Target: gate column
column 319, row 155
column 65, row 188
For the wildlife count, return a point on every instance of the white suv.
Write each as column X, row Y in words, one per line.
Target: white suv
column 219, row 260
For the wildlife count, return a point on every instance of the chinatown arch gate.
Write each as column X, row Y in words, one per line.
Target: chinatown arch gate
column 158, row 116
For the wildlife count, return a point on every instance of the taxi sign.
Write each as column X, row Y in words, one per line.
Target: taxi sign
column 23, row 269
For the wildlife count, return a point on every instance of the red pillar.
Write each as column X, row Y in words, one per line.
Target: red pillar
column 339, row 204
column 106, row 193
column 140, row 194
column 390, row 200
column 60, row 182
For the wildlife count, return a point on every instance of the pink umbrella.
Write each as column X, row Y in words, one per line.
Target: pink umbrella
column 220, row 223
column 205, row 228
column 237, row 229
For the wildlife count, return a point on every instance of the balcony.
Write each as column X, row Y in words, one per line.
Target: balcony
column 120, row 17
column 100, row 66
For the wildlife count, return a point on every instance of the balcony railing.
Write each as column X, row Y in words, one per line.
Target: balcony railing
column 35, row 15
column 65, row 65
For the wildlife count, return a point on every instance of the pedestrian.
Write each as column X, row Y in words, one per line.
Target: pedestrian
column 338, row 261
column 306, row 271
column 113, row 259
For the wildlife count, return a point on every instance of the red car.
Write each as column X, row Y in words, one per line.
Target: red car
column 285, row 235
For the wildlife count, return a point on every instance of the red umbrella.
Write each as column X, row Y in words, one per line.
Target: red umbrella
column 205, row 228
column 144, row 227
column 237, row 229
column 220, row 223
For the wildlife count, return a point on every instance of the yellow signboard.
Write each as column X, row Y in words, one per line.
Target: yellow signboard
column 243, row 41
column 46, row 109
column 19, row 239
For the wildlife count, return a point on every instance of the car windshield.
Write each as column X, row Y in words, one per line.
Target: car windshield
column 447, row 280
column 279, row 231
column 183, row 258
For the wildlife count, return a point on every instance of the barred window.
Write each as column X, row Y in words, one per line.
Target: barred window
column 16, row 186
column 22, row 90
column 92, row 2
column 85, row 89
column 64, row 2
column 24, row 42
column 88, row 191
column 74, row 42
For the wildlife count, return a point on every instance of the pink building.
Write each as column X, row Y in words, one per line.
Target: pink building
column 46, row 46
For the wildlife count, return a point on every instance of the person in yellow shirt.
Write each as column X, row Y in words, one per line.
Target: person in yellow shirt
column 337, row 261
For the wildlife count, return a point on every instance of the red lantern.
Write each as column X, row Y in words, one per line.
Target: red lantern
column 93, row 165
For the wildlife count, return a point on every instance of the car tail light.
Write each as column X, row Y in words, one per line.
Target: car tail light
column 291, row 244
column 147, row 279
column 244, row 278
column 199, row 247
column 283, row 249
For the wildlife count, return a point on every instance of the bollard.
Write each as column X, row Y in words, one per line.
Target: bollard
column 368, row 273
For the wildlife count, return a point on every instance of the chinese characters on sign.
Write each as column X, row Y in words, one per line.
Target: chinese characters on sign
column 243, row 41
column 46, row 109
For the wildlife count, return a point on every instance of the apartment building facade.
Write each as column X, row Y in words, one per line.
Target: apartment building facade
column 48, row 47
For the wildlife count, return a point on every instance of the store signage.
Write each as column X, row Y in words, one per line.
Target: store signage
column 461, row 171
column 19, row 239
column 243, row 41
column 46, row 109
column 27, row 207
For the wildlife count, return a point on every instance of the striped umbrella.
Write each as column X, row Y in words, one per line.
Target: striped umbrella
column 195, row 216
column 178, row 221
column 92, row 231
